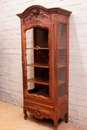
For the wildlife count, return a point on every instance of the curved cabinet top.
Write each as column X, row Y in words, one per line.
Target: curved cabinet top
column 42, row 13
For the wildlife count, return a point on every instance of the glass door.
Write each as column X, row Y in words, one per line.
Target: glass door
column 61, row 59
column 37, row 61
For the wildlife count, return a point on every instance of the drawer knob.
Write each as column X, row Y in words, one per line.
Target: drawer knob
column 37, row 107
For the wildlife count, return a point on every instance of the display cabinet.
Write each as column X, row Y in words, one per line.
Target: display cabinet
column 45, row 62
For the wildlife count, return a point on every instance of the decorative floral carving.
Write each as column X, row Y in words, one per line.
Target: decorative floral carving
column 44, row 16
column 36, row 13
column 38, row 114
column 34, row 23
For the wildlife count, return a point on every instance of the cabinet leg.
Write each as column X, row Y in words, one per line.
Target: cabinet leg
column 55, row 124
column 25, row 115
column 66, row 117
column 55, row 127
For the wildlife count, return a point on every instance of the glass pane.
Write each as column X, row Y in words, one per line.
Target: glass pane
column 61, row 59
column 29, row 56
column 37, row 58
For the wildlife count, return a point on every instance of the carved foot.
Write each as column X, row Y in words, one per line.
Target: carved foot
column 55, row 123
column 55, row 127
column 25, row 115
column 66, row 117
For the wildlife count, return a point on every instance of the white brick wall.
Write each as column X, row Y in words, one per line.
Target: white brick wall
column 10, row 53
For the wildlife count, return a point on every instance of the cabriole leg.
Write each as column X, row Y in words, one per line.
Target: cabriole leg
column 55, row 124
column 66, row 117
column 25, row 115
column 55, row 127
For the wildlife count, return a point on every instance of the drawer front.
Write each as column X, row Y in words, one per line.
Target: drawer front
column 39, row 110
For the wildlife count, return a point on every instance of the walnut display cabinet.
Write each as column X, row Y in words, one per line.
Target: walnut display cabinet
column 45, row 50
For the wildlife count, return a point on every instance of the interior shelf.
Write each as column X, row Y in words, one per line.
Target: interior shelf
column 42, row 90
column 61, row 82
column 43, row 81
column 38, row 48
column 61, row 48
column 61, row 66
column 39, row 80
column 41, row 65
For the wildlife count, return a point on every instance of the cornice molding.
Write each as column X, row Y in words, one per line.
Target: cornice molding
column 35, row 10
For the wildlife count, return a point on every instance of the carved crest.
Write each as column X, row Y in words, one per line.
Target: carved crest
column 36, row 13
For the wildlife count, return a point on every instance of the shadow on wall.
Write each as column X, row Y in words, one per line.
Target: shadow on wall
column 78, row 71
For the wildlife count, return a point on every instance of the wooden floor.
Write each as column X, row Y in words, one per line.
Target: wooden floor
column 11, row 118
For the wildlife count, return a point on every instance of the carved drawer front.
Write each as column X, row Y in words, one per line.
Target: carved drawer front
column 39, row 110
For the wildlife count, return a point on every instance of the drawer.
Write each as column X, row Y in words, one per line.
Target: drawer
column 39, row 110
